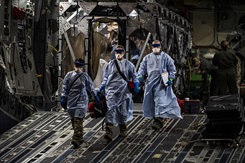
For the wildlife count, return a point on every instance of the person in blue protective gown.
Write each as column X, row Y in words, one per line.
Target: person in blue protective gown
column 159, row 100
column 118, row 98
column 74, row 89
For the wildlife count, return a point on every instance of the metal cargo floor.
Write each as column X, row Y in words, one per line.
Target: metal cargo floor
column 45, row 137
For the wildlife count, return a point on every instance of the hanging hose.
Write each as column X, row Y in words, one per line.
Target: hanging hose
column 142, row 51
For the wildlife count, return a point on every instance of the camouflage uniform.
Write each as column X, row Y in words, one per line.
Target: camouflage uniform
column 77, row 101
column 77, row 125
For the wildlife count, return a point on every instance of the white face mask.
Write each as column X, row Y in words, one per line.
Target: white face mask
column 78, row 69
column 156, row 50
column 119, row 55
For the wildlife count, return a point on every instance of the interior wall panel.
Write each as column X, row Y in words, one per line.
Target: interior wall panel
column 203, row 28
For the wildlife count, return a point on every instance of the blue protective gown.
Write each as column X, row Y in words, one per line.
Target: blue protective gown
column 77, row 99
column 118, row 98
column 159, row 101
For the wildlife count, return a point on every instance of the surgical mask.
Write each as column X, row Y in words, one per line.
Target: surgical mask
column 78, row 69
column 156, row 50
column 119, row 56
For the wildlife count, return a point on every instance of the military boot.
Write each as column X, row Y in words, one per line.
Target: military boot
column 108, row 130
column 157, row 123
column 123, row 130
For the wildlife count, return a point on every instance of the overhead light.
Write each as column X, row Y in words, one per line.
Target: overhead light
column 133, row 13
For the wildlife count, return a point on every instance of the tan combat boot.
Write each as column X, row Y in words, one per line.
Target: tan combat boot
column 108, row 130
column 123, row 130
column 157, row 123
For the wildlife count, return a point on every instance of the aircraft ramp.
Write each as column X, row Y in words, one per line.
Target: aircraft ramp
column 45, row 137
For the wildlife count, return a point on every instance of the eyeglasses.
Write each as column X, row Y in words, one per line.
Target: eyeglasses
column 119, row 51
column 155, row 45
column 79, row 64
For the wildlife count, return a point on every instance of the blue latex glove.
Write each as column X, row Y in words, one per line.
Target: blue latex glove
column 102, row 87
column 140, row 78
column 136, row 88
column 62, row 101
column 96, row 99
column 169, row 82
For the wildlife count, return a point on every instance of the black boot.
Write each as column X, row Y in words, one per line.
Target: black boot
column 109, row 133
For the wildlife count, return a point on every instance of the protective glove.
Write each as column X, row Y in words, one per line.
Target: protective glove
column 140, row 78
column 96, row 99
column 102, row 87
column 62, row 101
column 136, row 88
column 169, row 82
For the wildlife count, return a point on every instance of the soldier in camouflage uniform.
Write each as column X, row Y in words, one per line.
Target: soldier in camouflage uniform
column 118, row 98
column 74, row 88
